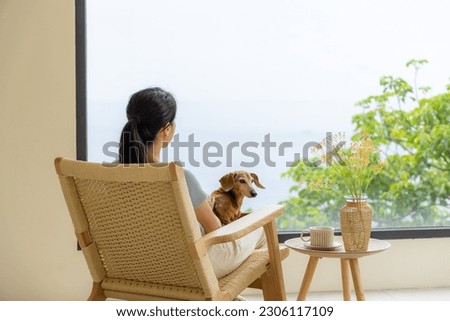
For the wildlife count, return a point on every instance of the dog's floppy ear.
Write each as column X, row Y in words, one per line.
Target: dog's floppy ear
column 227, row 181
column 256, row 180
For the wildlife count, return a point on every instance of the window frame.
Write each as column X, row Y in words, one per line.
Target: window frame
column 81, row 137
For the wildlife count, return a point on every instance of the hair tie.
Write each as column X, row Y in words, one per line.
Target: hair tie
column 133, row 120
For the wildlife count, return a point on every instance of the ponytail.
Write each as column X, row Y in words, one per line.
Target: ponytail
column 132, row 149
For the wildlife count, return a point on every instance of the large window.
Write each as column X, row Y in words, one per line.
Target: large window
column 258, row 82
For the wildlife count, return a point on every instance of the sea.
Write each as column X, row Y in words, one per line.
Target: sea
column 214, row 138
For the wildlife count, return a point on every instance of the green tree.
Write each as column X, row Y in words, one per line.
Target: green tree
column 413, row 189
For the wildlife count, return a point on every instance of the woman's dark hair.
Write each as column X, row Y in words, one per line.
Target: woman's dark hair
column 148, row 111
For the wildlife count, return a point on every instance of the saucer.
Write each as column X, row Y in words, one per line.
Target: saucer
column 335, row 246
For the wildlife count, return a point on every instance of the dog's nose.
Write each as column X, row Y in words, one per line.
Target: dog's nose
column 253, row 193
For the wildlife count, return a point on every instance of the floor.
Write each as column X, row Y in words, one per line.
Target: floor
column 431, row 294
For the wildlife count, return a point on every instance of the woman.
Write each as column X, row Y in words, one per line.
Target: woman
column 151, row 125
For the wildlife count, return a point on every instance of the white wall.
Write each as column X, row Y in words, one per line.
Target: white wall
column 38, row 258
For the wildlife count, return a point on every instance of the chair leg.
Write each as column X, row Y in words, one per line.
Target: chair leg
column 97, row 293
column 276, row 292
column 268, row 284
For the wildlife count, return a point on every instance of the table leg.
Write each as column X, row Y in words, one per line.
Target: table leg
column 345, row 279
column 307, row 278
column 356, row 275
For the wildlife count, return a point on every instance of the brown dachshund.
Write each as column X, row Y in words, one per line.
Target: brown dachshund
column 226, row 201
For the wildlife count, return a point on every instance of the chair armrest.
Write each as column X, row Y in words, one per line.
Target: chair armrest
column 244, row 225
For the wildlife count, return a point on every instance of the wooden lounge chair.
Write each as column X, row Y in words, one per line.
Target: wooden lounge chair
column 139, row 235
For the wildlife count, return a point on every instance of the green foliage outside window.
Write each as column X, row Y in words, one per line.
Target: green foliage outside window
column 413, row 189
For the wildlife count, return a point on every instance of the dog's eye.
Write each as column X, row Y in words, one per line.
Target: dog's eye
column 242, row 181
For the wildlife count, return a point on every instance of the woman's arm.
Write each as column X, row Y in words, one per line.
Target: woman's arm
column 206, row 217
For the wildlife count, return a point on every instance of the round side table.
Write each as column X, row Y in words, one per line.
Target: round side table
column 349, row 261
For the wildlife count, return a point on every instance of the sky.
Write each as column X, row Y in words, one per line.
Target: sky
column 266, row 50
column 242, row 69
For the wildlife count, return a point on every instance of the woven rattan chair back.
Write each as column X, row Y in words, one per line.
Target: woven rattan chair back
column 137, row 223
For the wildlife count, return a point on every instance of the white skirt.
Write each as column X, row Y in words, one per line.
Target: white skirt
column 226, row 257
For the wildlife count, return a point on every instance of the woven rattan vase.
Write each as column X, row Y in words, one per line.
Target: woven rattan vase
column 356, row 224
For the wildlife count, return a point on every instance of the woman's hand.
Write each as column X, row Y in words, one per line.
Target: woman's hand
column 206, row 217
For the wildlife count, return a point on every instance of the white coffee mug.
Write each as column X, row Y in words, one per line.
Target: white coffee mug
column 319, row 236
